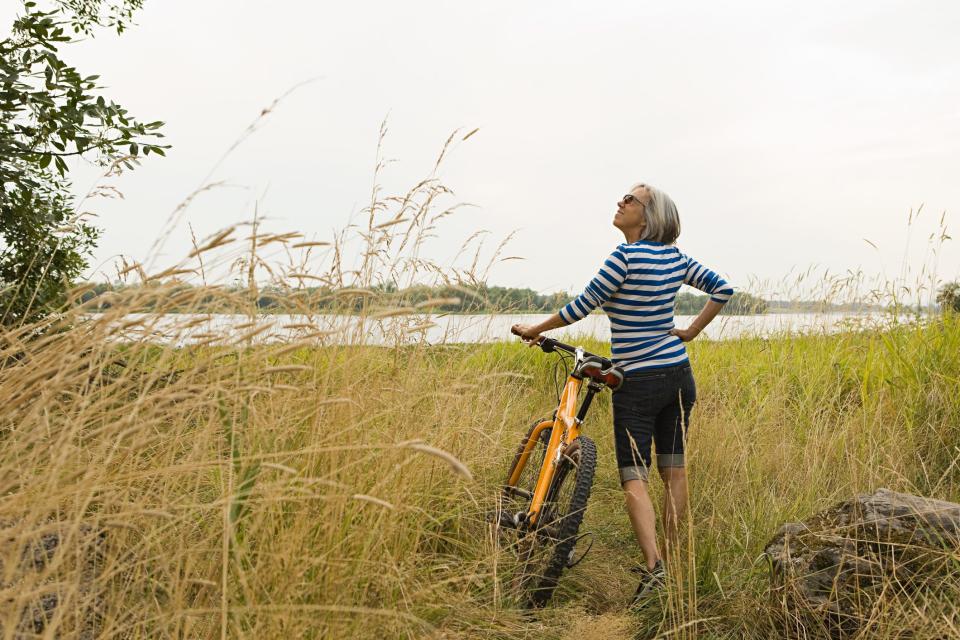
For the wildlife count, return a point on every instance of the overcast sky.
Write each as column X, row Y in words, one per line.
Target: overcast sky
column 788, row 133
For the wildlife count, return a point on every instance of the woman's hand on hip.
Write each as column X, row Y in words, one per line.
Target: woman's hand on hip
column 687, row 334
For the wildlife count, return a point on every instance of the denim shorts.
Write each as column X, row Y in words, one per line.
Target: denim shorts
column 652, row 407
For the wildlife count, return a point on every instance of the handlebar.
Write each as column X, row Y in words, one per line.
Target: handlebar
column 549, row 345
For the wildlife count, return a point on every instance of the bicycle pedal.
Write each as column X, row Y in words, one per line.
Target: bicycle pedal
column 572, row 559
column 504, row 519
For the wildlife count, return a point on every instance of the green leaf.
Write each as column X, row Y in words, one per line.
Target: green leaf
column 46, row 103
column 247, row 480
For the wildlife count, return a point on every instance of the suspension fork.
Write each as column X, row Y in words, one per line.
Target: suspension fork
column 566, row 428
column 527, row 450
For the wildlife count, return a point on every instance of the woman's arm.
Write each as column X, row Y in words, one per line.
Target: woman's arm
column 611, row 275
column 708, row 313
column 711, row 283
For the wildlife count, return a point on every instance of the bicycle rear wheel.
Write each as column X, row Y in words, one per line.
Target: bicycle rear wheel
column 546, row 549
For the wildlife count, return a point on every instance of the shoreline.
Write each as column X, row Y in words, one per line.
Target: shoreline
column 438, row 329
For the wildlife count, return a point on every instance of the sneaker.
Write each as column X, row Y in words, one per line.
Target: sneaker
column 651, row 581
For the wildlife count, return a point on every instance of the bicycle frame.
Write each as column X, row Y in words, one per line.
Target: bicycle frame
column 566, row 428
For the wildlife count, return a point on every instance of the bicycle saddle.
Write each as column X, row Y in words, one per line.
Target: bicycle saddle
column 601, row 370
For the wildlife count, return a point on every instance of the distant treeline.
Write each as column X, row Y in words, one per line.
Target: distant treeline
column 821, row 306
column 466, row 298
column 741, row 304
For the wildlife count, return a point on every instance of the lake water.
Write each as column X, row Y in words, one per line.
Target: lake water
column 182, row 329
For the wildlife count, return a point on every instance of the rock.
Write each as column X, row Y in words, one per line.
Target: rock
column 59, row 566
column 830, row 571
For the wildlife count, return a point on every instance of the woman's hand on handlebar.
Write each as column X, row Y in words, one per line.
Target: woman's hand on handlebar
column 531, row 332
column 527, row 332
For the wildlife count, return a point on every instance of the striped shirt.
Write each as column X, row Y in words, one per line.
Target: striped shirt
column 637, row 288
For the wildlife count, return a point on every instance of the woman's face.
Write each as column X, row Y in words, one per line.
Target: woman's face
column 629, row 217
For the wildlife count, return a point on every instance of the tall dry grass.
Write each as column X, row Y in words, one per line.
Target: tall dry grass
column 320, row 487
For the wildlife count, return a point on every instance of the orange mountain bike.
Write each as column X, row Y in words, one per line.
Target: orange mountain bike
column 548, row 485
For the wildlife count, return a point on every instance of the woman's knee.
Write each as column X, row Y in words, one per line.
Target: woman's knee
column 635, row 490
column 671, row 474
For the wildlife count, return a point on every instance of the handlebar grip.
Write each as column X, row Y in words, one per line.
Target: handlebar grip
column 517, row 333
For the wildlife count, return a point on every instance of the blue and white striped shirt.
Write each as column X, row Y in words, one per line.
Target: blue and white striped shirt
column 637, row 289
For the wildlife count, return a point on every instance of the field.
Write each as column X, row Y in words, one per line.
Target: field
column 320, row 487
column 297, row 490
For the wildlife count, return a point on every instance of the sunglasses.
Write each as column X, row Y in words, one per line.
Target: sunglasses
column 630, row 198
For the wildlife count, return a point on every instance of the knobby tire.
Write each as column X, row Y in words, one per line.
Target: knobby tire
column 577, row 466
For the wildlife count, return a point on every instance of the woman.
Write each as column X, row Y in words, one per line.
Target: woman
column 637, row 287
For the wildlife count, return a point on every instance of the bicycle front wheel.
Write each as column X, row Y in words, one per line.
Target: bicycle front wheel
column 547, row 548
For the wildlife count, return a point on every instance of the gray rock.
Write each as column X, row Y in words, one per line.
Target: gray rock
column 45, row 563
column 829, row 571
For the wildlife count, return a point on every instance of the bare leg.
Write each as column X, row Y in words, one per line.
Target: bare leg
column 643, row 519
column 674, row 502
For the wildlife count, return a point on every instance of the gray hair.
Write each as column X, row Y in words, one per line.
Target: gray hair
column 660, row 213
